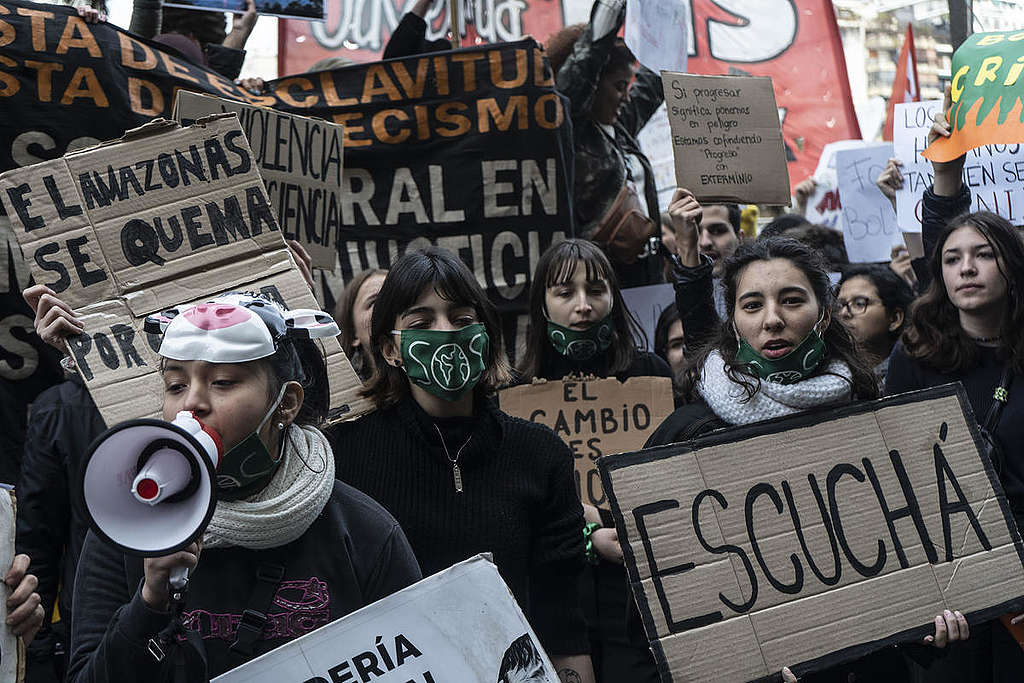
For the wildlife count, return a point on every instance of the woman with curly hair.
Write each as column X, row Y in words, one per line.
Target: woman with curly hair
column 614, row 197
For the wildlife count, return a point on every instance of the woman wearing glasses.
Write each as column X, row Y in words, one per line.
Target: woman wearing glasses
column 873, row 304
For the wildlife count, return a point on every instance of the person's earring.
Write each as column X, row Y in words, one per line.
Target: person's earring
column 280, row 426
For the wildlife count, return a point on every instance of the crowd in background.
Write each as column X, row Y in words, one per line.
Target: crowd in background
column 766, row 323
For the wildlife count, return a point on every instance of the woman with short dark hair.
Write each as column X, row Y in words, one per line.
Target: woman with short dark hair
column 461, row 476
column 873, row 302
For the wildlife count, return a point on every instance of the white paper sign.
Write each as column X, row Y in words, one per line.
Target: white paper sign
column 824, row 206
column 656, row 143
column 461, row 624
column 657, row 31
column 994, row 173
column 869, row 222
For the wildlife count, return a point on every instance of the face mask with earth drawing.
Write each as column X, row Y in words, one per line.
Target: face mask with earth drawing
column 445, row 363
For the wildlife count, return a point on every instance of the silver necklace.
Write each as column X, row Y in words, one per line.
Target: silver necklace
column 456, row 472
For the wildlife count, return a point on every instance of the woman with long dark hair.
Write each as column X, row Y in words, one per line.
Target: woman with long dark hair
column 461, row 476
column 579, row 325
column 968, row 327
column 611, row 100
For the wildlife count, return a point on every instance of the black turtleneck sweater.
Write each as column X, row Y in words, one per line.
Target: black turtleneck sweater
column 518, row 502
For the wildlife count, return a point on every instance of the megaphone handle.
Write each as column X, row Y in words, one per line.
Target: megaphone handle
column 179, row 577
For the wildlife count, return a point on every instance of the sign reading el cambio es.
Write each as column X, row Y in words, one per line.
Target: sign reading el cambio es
column 299, row 159
column 814, row 539
column 461, row 624
column 161, row 217
column 594, row 417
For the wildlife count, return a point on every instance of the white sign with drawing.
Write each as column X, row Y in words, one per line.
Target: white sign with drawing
column 461, row 624
column 870, row 230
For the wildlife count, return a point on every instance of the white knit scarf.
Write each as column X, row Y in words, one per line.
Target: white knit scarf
column 726, row 398
column 280, row 513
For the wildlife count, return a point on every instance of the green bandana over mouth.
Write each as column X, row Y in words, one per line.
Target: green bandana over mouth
column 796, row 365
column 581, row 344
column 445, row 363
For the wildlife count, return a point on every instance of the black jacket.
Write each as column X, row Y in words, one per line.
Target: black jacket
column 51, row 523
column 518, row 502
column 600, row 166
column 353, row 554
column 410, row 38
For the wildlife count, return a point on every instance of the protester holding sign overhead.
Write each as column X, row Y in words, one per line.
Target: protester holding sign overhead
column 579, row 325
column 461, row 476
column 615, row 197
column 968, row 326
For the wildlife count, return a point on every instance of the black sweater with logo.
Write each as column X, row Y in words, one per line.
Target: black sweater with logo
column 353, row 554
column 518, row 502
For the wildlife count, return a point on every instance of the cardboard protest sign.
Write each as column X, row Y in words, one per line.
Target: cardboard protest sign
column 470, row 149
column 161, row 217
column 594, row 417
column 299, row 9
column 727, row 138
column 869, row 223
column 300, row 161
column 646, row 304
column 12, row 648
column 656, row 33
column 994, row 173
column 814, row 539
column 986, row 96
column 461, row 624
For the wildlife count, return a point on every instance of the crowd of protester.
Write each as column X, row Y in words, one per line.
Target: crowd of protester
column 436, row 474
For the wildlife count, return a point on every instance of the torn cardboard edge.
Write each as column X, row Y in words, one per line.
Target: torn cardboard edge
column 132, row 290
column 607, row 465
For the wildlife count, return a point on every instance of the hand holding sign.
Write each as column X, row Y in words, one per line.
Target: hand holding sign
column 54, row 319
column 686, row 214
column 947, row 173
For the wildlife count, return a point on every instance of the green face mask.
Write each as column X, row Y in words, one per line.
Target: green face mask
column 249, row 466
column 581, row 344
column 793, row 367
column 445, row 363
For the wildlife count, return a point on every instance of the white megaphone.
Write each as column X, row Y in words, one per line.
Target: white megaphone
column 148, row 485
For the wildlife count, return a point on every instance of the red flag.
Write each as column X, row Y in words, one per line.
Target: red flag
column 905, row 87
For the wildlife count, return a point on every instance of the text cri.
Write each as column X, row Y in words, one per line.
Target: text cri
column 824, row 505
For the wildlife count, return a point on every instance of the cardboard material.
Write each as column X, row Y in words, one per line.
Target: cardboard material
column 300, row 161
column 869, row 221
column 161, row 217
column 994, row 173
column 814, row 539
column 461, row 624
column 727, row 138
column 594, row 417
column 12, row 648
